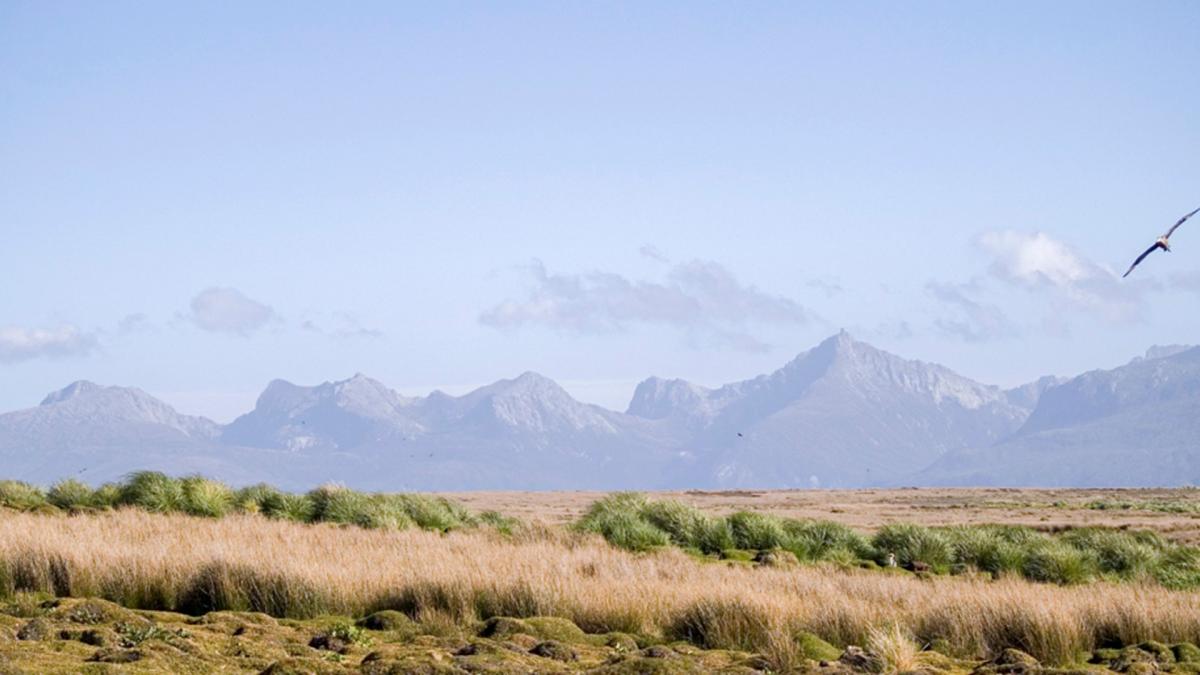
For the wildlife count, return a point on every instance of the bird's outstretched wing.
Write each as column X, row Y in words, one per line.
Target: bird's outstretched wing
column 1176, row 225
column 1140, row 258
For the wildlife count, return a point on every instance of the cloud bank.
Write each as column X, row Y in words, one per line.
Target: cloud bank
column 24, row 344
column 701, row 298
column 227, row 310
column 1038, row 262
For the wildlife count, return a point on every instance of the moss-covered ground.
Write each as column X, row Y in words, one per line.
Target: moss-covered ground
column 40, row 634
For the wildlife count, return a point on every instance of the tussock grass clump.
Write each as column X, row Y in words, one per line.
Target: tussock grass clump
column 825, row 540
column 71, row 495
column 618, row 519
column 153, row 491
column 204, row 497
column 630, row 521
column 760, row 532
column 1058, row 562
column 895, row 646
column 21, row 496
column 722, row 624
column 157, row 492
column 914, row 544
column 633, row 522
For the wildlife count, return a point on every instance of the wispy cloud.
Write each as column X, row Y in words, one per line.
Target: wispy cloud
column 131, row 323
column 227, row 310
column 24, row 344
column 652, row 252
column 969, row 319
column 701, row 298
column 1185, row 281
column 341, row 326
column 1038, row 262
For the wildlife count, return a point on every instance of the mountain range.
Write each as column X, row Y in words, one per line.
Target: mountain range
column 842, row 414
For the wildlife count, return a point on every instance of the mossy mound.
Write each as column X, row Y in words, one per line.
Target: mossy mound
column 1186, row 652
column 388, row 619
column 553, row 649
column 555, row 628
column 815, row 648
column 500, row 627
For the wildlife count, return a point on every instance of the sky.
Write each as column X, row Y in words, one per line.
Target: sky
column 198, row 198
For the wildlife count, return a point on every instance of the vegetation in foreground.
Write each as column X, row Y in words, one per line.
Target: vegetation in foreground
column 53, row 635
column 460, row 579
column 633, row 522
column 198, row 496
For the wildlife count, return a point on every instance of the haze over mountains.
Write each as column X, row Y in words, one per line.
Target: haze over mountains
column 842, row 414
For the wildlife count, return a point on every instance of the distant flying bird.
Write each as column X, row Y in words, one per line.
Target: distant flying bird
column 739, row 434
column 1163, row 242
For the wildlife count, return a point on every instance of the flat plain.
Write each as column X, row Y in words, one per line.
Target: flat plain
column 1171, row 512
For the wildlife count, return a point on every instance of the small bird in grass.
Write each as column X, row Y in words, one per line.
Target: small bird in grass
column 1162, row 242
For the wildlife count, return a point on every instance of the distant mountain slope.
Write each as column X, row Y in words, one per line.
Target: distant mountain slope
column 329, row 416
column 1135, row 425
column 841, row 414
column 99, row 433
column 523, row 433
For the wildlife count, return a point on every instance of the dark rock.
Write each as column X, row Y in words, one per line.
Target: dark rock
column 1013, row 657
column 553, row 649
column 777, row 558
column 503, row 626
column 1010, row 662
column 329, row 643
column 109, row 655
column 658, row 652
column 861, row 660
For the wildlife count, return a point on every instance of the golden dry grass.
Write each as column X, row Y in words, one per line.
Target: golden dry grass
column 248, row 562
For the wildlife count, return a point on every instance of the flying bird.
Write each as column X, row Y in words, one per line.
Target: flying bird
column 1162, row 242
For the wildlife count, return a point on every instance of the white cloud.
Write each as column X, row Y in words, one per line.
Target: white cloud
column 701, row 298
column 1037, row 261
column 23, row 344
column 227, row 310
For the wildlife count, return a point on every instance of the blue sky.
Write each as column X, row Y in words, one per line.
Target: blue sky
column 198, row 198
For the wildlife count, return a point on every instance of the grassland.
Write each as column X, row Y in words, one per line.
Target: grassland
column 257, row 589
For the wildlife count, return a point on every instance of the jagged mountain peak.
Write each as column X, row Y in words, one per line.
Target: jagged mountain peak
column 529, row 402
column 73, row 390
column 656, row 398
column 1164, row 352
column 85, row 402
